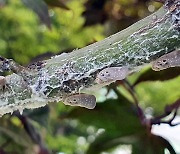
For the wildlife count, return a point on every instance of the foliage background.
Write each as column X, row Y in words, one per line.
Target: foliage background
column 31, row 31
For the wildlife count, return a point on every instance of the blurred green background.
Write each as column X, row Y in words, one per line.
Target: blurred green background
column 32, row 30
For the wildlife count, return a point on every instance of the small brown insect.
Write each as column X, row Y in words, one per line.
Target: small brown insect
column 112, row 74
column 82, row 100
column 171, row 59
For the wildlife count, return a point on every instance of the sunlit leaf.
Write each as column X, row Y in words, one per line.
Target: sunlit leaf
column 158, row 94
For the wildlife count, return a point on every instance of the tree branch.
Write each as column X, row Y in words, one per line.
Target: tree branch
column 55, row 79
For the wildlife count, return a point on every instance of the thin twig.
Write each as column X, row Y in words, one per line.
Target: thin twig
column 131, row 90
column 168, row 110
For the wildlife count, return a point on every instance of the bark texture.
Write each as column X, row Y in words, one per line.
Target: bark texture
column 61, row 76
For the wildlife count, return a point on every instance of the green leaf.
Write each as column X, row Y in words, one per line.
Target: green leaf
column 118, row 118
column 158, row 94
column 151, row 75
column 145, row 143
column 39, row 115
column 151, row 144
column 41, row 9
column 111, row 115
column 15, row 133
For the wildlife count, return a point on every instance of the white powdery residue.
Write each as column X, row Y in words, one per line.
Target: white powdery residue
column 120, row 46
column 56, row 56
column 55, row 99
column 151, row 40
column 92, row 59
column 147, row 57
column 116, row 43
column 42, row 82
column 127, row 54
column 94, row 69
column 143, row 34
column 171, row 28
column 33, row 88
column 110, row 49
column 106, row 51
column 97, row 67
column 81, row 58
column 166, row 48
column 130, row 55
column 158, row 27
column 174, row 36
column 18, row 104
column 92, row 63
column 158, row 51
column 83, row 76
column 151, row 54
column 137, row 57
column 21, row 110
column 70, row 76
column 132, row 36
column 36, row 101
column 33, row 102
column 155, row 43
column 2, row 103
column 6, row 109
column 87, row 74
column 89, row 51
column 62, row 57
